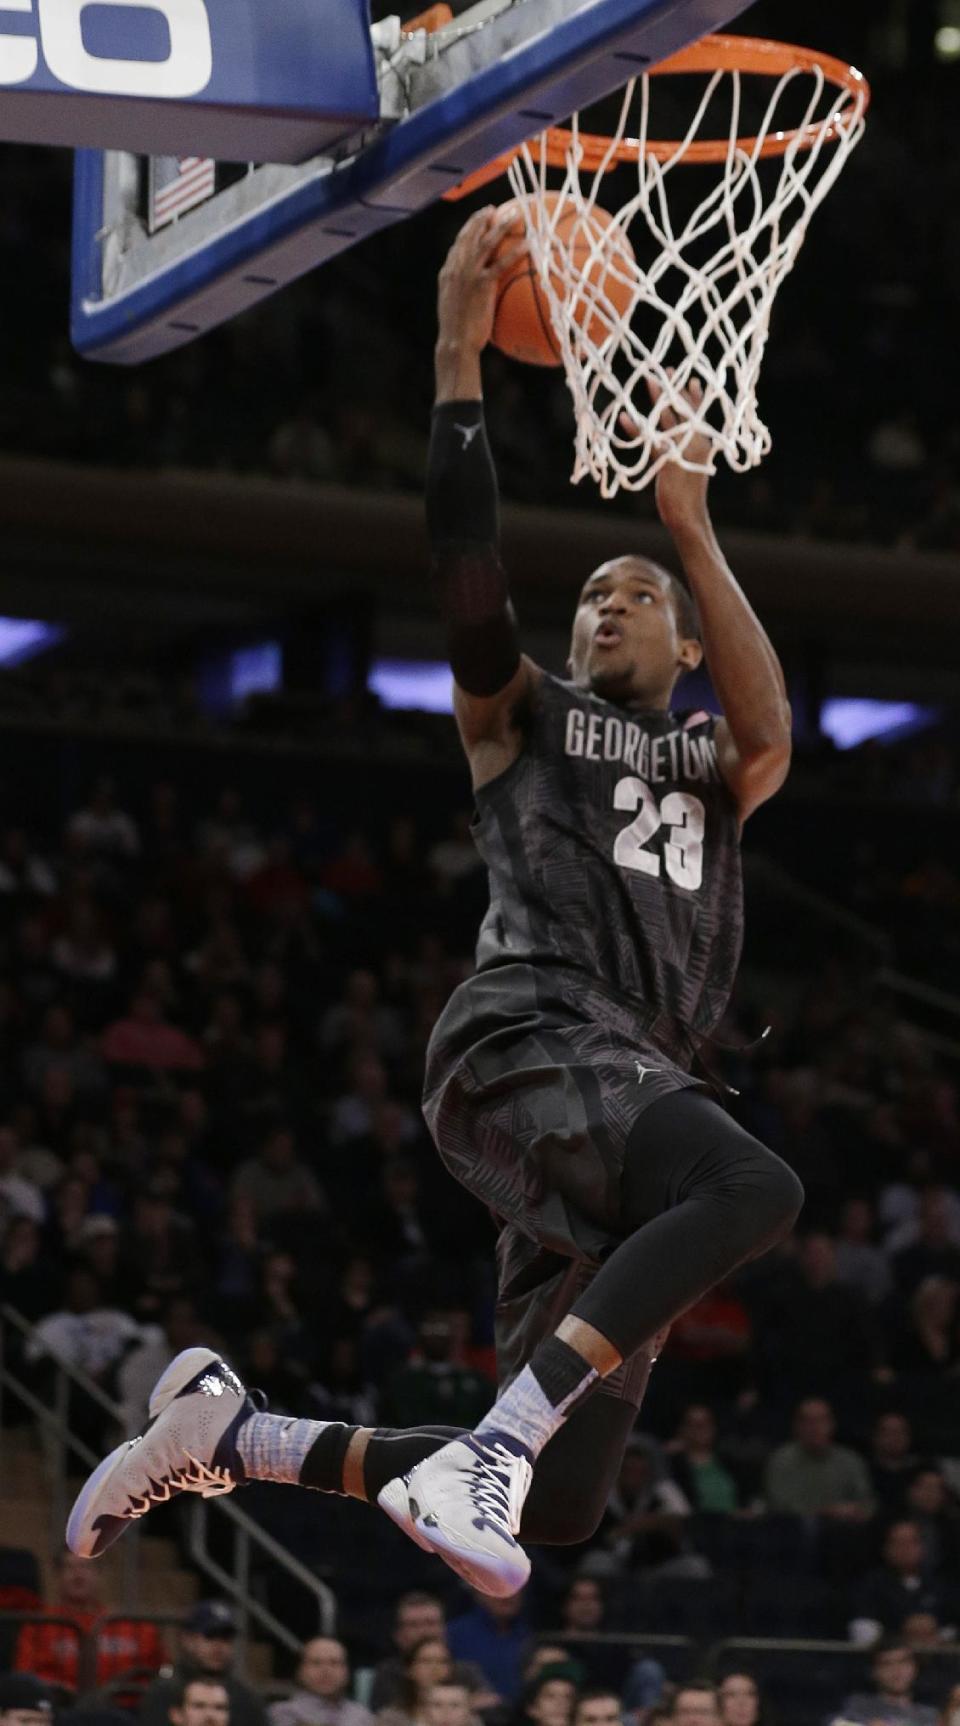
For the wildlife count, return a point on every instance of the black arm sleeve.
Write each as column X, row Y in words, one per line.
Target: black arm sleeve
column 464, row 526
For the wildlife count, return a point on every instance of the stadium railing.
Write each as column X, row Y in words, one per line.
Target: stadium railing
column 249, row 1540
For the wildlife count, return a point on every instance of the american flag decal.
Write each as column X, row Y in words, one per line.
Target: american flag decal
column 178, row 184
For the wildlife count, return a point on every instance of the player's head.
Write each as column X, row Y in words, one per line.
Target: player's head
column 635, row 632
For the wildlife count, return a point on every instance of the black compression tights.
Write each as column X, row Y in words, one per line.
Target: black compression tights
column 700, row 1197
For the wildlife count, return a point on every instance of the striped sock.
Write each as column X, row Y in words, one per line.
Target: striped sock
column 538, row 1401
column 275, row 1446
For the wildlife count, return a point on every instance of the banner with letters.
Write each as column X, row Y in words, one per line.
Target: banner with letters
column 228, row 79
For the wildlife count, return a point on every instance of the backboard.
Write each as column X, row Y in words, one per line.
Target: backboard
column 450, row 100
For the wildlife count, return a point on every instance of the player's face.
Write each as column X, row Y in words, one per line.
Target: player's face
column 626, row 645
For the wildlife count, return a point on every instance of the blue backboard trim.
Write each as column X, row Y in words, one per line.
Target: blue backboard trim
column 239, row 82
column 577, row 61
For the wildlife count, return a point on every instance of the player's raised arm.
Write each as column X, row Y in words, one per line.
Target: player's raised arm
column 491, row 678
column 754, row 735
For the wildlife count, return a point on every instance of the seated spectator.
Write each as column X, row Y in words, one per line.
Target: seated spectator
column 920, row 1631
column 812, row 1476
column 697, row 1469
column 889, row 1702
column 19, row 1197
column 343, row 1391
column 927, row 1246
column 59, row 1046
column 739, row 1696
column 220, row 961
column 433, row 1390
column 360, row 1021
column 582, row 1616
column 891, row 1459
column 207, row 1646
column 353, row 876
column 276, row 1181
column 99, row 1244
column 416, row 1616
column 597, row 1706
column 696, row 1704
column 320, row 1696
column 450, row 1704
column 583, row 1607
column 102, row 827
column 714, row 1337
column 84, row 1333
column 950, row 1712
column 28, row 1280
column 927, row 1340
column 454, row 858
column 354, row 1112
column 825, row 1332
column 162, row 1254
column 493, row 1635
column 144, row 1038
column 84, row 955
column 427, row 1663
column 860, row 1262
column 271, row 1086
column 179, row 1328
column 201, row 1702
column 229, row 838
column 933, row 1508
column 24, row 1700
column 901, row 1585
column 548, row 1699
column 395, row 1222
column 51, row 1652
column 278, row 889
column 644, row 1521
column 24, row 870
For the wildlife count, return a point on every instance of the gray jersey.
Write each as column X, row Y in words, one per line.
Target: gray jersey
column 612, row 847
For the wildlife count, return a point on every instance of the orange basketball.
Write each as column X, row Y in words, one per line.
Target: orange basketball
column 522, row 326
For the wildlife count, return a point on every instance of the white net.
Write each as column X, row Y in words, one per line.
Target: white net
column 694, row 302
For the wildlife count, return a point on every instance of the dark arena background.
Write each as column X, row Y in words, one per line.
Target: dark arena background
column 237, row 885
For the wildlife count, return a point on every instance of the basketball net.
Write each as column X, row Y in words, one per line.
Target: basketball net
column 700, row 299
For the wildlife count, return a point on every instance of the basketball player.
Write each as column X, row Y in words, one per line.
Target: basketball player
column 558, row 1087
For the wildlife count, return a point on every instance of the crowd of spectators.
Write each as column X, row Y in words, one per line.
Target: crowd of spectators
column 487, row 1665
column 212, row 1028
column 331, row 380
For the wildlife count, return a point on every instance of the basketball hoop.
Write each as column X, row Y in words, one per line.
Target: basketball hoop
column 703, row 282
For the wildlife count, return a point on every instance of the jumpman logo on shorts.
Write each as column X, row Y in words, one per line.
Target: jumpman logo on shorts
column 643, row 1071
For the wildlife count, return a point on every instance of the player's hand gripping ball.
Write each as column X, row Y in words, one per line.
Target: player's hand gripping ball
column 522, row 324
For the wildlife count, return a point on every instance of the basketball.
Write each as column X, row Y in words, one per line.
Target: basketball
column 522, row 325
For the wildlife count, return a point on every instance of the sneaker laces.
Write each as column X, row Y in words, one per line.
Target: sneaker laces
column 498, row 1487
column 196, row 1476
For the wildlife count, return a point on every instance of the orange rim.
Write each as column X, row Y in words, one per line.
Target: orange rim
column 753, row 54
column 433, row 19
